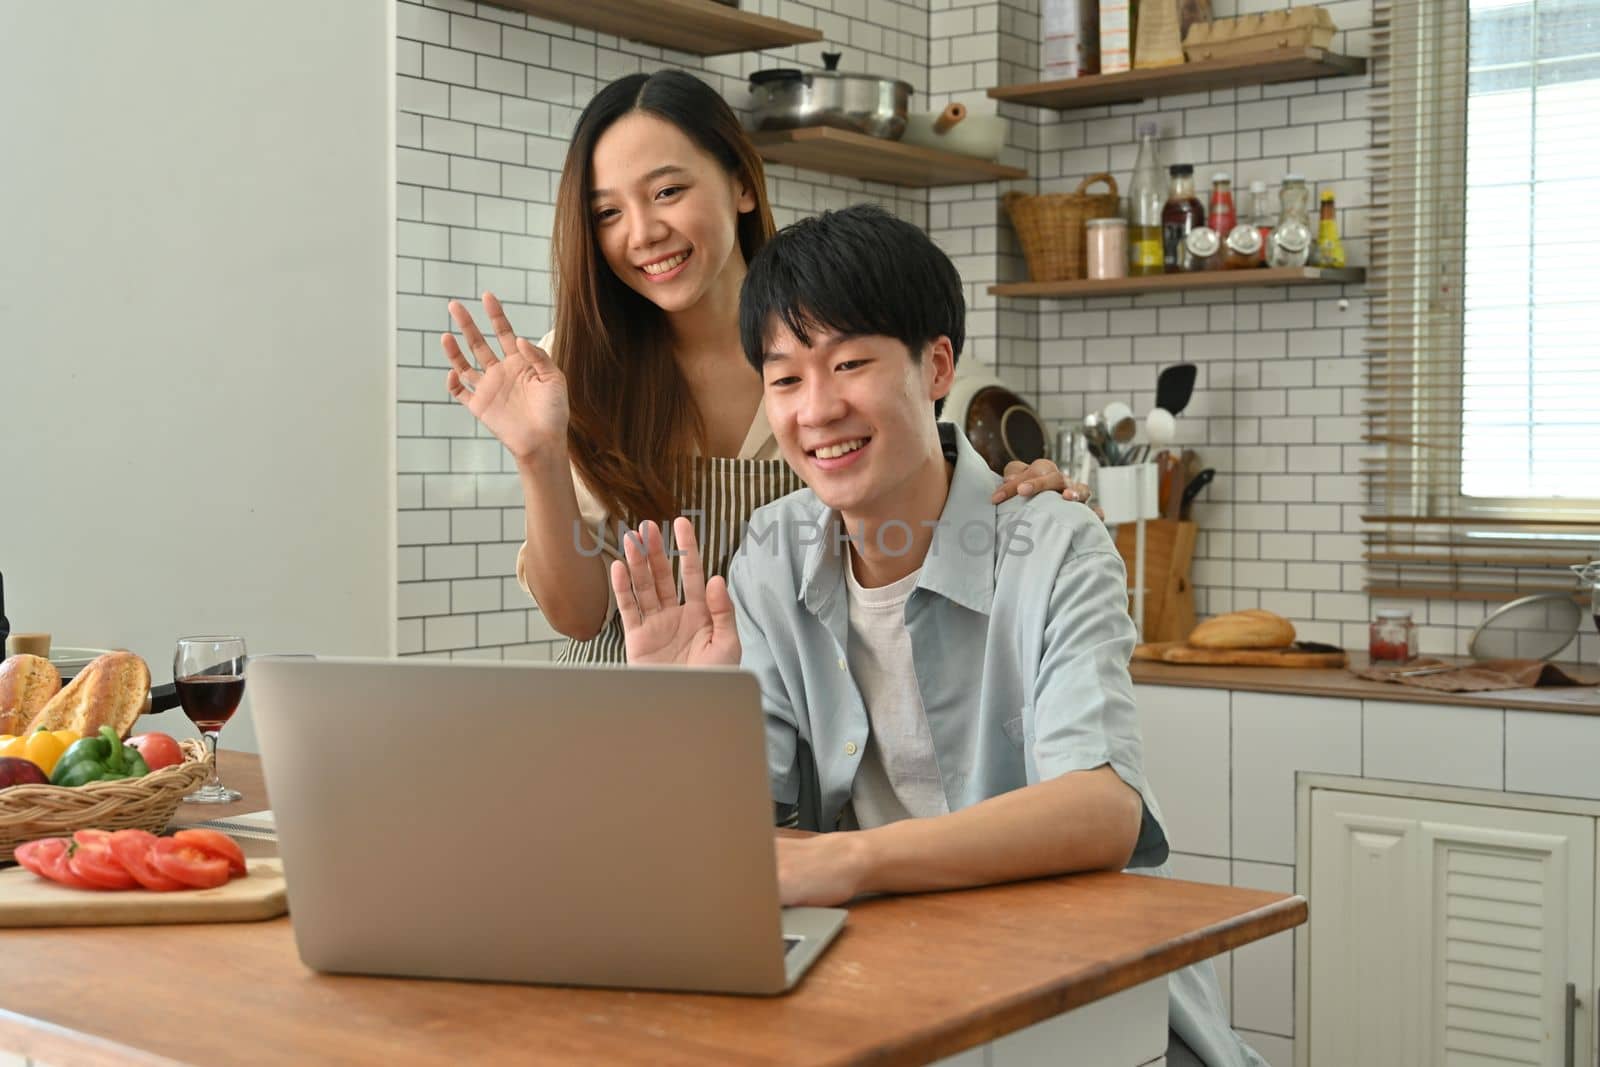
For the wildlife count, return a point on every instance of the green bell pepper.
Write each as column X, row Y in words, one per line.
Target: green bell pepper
column 98, row 759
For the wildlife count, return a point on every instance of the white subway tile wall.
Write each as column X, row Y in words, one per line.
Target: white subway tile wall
column 487, row 102
column 488, row 98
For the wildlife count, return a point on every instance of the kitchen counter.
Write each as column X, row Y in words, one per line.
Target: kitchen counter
column 911, row 979
column 1583, row 700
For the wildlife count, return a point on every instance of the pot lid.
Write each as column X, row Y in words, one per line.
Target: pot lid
column 830, row 62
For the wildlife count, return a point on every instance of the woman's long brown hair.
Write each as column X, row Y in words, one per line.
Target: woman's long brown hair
column 633, row 423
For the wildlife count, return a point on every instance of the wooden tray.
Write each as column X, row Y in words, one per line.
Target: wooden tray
column 1179, row 652
column 28, row 900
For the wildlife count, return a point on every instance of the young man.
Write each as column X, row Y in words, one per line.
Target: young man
column 968, row 724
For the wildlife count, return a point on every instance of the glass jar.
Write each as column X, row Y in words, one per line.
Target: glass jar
column 1244, row 247
column 1201, row 250
column 1392, row 637
column 1294, row 200
column 1107, row 241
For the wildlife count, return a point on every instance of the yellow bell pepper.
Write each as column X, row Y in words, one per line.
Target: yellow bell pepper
column 41, row 748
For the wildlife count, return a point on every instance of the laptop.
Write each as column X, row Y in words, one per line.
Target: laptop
column 583, row 825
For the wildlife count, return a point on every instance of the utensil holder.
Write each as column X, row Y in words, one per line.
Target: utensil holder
column 1130, row 494
column 1169, row 553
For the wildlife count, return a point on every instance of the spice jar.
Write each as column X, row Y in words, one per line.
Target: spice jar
column 1201, row 249
column 1291, row 240
column 1392, row 637
column 1244, row 248
column 1107, row 241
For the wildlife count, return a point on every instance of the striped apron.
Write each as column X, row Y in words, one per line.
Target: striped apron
column 718, row 495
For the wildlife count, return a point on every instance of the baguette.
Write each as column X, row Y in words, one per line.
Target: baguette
column 26, row 684
column 1244, row 629
column 112, row 690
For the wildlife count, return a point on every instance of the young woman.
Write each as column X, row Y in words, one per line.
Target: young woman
column 639, row 404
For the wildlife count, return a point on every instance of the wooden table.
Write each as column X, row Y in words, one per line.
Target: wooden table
column 911, row 979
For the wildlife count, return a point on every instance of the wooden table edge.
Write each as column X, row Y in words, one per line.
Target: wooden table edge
column 963, row 1032
column 51, row 1043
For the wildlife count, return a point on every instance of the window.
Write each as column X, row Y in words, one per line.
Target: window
column 1531, row 329
column 1484, row 380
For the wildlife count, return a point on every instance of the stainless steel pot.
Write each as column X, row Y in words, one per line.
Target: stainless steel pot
column 788, row 98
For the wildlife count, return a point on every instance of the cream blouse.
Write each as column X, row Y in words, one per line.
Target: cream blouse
column 759, row 443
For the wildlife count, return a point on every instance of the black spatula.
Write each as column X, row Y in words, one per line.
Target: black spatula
column 1174, row 386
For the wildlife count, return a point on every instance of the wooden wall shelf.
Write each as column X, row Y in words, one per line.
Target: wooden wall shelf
column 701, row 27
column 1176, row 283
column 874, row 159
column 1094, row 90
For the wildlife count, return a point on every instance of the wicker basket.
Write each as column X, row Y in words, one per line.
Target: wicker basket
column 1050, row 227
column 148, row 803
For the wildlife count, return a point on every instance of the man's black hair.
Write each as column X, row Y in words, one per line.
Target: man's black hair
column 857, row 272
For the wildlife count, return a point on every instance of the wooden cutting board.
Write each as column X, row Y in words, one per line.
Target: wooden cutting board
column 1179, row 652
column 28, row 900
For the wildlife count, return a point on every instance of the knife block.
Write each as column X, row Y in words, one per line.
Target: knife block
column 1169, row 594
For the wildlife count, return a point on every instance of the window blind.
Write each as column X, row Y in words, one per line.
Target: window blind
column 1483, row 369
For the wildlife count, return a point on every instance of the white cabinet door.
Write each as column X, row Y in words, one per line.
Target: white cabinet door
column 1445, row 934
column 1186, row 763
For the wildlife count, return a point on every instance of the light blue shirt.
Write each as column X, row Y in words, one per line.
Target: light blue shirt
column 1021, row 638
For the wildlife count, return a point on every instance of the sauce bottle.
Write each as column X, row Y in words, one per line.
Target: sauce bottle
column 1261, row 215
column 1222, row 216
column 1330, row 249
column 1144, row 208
column 1182, row 213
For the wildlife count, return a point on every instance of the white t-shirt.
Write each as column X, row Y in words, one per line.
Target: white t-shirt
column 899, row 773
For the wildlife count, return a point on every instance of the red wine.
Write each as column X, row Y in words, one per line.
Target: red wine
column 209, row 701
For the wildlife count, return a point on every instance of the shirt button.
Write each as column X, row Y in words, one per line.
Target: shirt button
column 849, row 748
column 843, row 666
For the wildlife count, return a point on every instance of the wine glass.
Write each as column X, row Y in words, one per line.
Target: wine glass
column 208, row 673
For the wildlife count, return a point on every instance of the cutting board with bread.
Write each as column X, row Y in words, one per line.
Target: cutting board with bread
column 1253, row 638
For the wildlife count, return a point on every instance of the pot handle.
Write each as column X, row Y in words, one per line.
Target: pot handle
column 951, row 115
column 162, row 697
column 1091, row 179
column 830, row 60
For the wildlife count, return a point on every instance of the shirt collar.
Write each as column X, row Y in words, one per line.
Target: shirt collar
column 960, row 561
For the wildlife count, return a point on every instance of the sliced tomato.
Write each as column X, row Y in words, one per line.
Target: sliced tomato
column 188, row 864
column 216, row 843
column 132, row 850
column 95, row 864
column 28, row 854
column 91, row 837
column 57, row 867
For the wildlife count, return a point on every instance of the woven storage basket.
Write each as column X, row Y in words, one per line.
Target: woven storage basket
column 33, row 811
column 1050, row 227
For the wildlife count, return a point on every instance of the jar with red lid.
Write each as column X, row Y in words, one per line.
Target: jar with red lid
column 1392, row 638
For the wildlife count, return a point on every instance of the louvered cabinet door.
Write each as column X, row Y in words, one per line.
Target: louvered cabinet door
column 1446, row 934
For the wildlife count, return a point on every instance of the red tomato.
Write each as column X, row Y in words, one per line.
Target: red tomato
column 28, row 855
column 95, row 864
column 215, row 843
column 187, row 864
column 158, row 750
column 52, row 856
column 132, row 850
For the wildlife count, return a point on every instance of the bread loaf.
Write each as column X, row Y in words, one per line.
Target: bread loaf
column 26, row 684
column 112, row 690
column 1244, row 629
